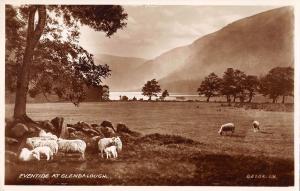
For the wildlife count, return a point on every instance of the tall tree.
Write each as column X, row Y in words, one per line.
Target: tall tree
column 77, row 65
column 228, row 84
column 251, row 85
column 239, row 85
column 233, row 84
column 210, row 86
column 164, row 95
column 151, row 88
column 278, row 82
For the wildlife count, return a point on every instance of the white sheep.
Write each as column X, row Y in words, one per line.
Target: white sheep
column 226, row 127
column 255, row 126
column 103, row 143
column 75, row 145
column 117, row 141
column 49, row 135
column 44, row 150
column 27, row 155
column 34, row 142
column 111, row 152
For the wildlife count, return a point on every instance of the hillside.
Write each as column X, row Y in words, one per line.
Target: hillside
column 254, row 45
column 261, row 41
column 122, row 68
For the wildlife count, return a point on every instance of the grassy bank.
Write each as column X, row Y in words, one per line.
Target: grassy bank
column 162, row 160
column 179, row 145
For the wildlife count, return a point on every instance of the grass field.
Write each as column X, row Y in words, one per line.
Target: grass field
column 210, row 160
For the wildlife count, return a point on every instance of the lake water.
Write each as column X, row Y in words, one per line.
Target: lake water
column 138, row 95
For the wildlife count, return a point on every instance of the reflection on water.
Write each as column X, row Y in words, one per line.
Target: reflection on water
column 138, row 95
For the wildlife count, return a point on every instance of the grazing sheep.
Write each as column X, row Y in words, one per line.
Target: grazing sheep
column 75, row 145
column 117, row 141
column 43, row 133
column 34, row 142
column 227, row 127
column 27, row 155
column 103, row 143
column 111, row 152
column 255, row 126
column 43, row 150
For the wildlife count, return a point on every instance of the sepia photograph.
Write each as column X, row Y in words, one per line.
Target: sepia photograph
column 149, row 95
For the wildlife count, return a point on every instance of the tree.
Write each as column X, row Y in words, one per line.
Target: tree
column 104, row 93
column 151, row 88
column 251, row 84
column 67, row 66
column 164, row 95
column 239, row 85
column 124, row 98
column 278, row 82
column 233, row 84
column 228, row 84
column 210, row 86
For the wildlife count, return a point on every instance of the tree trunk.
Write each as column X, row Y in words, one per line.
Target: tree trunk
column 234, row 97
column 242, row 99
column 274, row 100
column 33, row 36
column 208, row 97
column 250, row 97
column 283, row 99
column 228, row 98
column 150, row 98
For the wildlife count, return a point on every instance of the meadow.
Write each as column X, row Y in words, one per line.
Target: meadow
column 179, row 144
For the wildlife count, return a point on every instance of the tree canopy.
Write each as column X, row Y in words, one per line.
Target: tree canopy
column 151, row 88
column 210, row 86
column 278, row 82
column 236, row 84
column 164, row 94
column 46, row 58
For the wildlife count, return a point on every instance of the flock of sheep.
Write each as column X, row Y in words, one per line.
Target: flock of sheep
column 48, row 145
column 229, row 127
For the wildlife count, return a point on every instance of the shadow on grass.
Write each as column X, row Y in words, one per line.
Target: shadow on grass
column 265, row 132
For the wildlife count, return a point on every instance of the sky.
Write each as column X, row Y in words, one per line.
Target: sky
column 153, row 30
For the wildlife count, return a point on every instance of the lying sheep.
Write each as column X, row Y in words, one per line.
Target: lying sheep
column 44, row 150
column 43, row 133
column 226, row 127
column 76, row 145
column 255, row 126
column 34, row 142
column 27, row 155
column 111, row 152
column 103, row 143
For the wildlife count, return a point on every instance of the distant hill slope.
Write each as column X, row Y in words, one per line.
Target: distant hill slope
column 254, row 44
column 122, row 68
